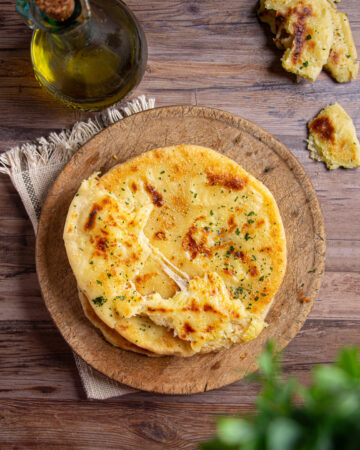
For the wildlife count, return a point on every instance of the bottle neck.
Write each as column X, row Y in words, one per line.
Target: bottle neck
column 79, row 35
column 37, row 18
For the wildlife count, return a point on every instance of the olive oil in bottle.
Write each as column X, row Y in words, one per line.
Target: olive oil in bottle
column 91, row 59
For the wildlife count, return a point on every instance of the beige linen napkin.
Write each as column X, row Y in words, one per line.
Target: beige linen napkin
column 33, row 167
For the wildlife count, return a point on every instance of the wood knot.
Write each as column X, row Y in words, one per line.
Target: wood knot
column 215, row 366
column 155, row 431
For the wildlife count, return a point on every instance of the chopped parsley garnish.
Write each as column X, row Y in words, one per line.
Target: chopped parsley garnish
column 99, row 301
column 99, row 282
column 247, row 237
column 238, row 291
column 308, row 37
column 237, row 231
column 211, row 212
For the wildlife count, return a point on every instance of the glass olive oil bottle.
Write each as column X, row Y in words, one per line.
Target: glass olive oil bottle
column 90, row 59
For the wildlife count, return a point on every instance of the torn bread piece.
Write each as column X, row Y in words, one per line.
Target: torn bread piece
column 342, row 64
column 333, row 140
column 314, row 35
column 304, row 29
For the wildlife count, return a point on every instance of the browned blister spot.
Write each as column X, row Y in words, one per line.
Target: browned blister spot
column 209, row 308
column 324, row 128
column 245, row 227
column 209, row 329
column 228, row 271
column 160, row 236
column 301, row 31
column 90, row 223
column 335, row 57
column 260, row 223
column 134, row 187
column 102, row 244
column 253, row 271
column 192, row 246
column 140, row 280
column 132, row 259
column 194, row 307
column 240, row 255
column 266, row 250
column 156, row 197
column 188, row 329
column 233, row 182
column 232, row 224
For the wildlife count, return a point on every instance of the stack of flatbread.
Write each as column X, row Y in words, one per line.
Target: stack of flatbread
column 314, row 34
column 176, row 252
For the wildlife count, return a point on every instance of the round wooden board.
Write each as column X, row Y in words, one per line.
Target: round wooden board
column 260, row 154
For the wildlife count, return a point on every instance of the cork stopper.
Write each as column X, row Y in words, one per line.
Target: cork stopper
column 58, row 10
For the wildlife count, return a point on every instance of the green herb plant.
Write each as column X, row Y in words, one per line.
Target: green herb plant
column 290, row 416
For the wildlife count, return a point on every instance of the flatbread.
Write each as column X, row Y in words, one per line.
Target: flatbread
column 304, row 29
column 153, row 228
column 111, row 335
column 342, row 63
column 333, row 140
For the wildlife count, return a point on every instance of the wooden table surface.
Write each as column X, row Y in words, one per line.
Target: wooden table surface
column 200, row 52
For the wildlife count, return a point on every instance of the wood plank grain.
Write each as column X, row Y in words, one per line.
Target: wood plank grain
column 84, row 425
column 38, row 359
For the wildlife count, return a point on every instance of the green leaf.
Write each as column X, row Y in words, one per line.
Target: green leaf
column 330, row 378
column 327, row 419
column 268, row 363
column 348, row 361
column 282, row 434
column 234, row 431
